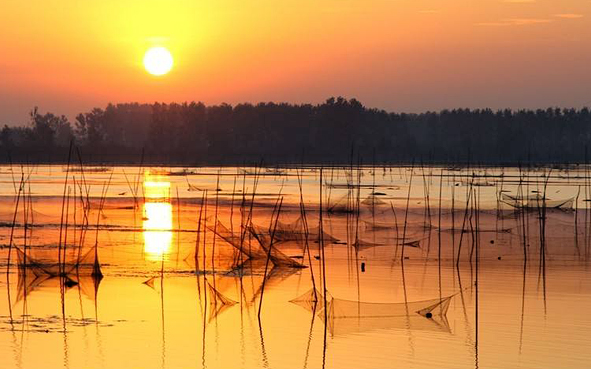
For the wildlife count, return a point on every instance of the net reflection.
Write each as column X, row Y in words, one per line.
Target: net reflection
column 157, row 218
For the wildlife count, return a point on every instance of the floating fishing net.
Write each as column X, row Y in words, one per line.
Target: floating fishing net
column 252, row 250
column 347, row 316
column 45, row 263
column 294, row 231
column 412, row 243
column 217, row 298
column 535, row 201
column 314, row 235
column 33, row 275
column 274, row 278
column 222, row 249
column 284, row 232
column 342, row 204
column 260, row 249
column 150, row 282
column 360, row 244
column 311, row 300
column 412, row 227
column 342, row 327
column 343, row 309
column 227, row 253
column 89, row 286
column 218, row 303
column 378, row 225
column 372, row 200
column 28, row 282
column 277, row 257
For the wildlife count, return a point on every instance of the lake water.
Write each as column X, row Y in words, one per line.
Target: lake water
column 521, row 286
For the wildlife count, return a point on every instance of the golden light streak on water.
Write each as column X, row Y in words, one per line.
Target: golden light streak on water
column 157, row 227
column 157, row 217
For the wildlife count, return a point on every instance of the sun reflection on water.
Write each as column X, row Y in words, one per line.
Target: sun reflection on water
column 157, row 220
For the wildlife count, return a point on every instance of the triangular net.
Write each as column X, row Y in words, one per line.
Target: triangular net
column 75, row 263
column 341, row 308
column 310, row 300
column 218, row 303
column 535, row 201
column 277, row 257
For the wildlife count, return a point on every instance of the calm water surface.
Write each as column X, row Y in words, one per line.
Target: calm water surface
column 154, row 308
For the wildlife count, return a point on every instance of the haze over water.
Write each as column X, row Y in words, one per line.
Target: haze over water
column 158, row 306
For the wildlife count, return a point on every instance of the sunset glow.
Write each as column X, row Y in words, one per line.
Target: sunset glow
column 393, row 55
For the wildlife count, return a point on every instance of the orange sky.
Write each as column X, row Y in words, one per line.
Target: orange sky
column 409, row 55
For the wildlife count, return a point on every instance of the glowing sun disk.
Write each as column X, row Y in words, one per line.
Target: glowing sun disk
column 158, row 61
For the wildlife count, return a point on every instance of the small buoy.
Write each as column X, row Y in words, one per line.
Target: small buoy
column 363, row 267
column 429, row 315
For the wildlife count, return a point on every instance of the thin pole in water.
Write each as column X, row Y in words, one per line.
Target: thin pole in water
column 406, row 213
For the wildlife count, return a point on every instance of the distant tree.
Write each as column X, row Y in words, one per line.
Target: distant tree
column 6, row 138
column 90, row 127
column 335, row 131
column 48, row 130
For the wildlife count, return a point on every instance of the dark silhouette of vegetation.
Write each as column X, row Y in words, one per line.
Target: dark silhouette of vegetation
column 193, row 133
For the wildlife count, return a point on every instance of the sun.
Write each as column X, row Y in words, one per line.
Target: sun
column 158, row 61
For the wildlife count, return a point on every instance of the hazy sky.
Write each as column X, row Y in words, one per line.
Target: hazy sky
column 406, row 55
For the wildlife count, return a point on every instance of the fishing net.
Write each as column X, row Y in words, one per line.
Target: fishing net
column 342, row 204
column 360, row 244
column 314, row 235
column 348, row 316
column 34, row 275
column 28, row 282
column 252, row 250
column 226, row 254
column 45, row 263
column 342, row 327
column 372, row 200
column 378, row 225
column 277, row 257
column 411, row 243
column 311, row 300
column 344, row 309
column 536, row 201
column 218, row 303
column 260, row 249
column 150, row 282
column 294, row 231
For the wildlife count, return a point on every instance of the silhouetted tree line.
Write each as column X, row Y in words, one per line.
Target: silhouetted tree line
column 337, row 131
